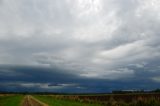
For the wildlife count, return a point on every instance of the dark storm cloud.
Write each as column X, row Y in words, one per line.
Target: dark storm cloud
column 37, row 74
column 44, row 79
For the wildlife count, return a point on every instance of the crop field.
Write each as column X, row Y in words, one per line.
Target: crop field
column 81, row 100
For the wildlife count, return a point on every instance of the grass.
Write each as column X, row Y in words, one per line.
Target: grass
column 61, row 102
column 11, row 100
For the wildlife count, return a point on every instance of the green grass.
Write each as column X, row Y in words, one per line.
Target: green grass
column 57, row 102
column 11, row 100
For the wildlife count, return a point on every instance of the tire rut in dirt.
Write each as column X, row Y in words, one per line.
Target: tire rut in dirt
column 31, row 101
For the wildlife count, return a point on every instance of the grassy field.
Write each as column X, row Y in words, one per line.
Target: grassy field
column 102, row 100
column 51, row 101
column 143, row 99
column 14, row 100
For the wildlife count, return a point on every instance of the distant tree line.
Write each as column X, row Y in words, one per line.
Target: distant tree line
column 55, row 93
column 135, row 91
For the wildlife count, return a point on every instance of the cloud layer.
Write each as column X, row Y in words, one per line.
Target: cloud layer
column 106, row 40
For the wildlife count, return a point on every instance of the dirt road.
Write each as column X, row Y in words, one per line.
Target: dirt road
column 31, row 101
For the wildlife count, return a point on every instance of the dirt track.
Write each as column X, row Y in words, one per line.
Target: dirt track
column 31, row 101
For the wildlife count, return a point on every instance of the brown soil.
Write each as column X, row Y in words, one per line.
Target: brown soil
column 31, row 101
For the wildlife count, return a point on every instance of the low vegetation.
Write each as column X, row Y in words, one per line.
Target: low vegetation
column 102, row 100
column 10, row 100
column 52, row 101
column 132, row 99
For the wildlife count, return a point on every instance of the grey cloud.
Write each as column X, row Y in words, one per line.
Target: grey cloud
column 101, row 39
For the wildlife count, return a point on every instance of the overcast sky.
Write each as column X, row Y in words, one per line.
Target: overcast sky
column 79, row 45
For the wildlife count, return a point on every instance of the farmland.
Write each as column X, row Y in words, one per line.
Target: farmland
column 134, row 99
column 52, row 101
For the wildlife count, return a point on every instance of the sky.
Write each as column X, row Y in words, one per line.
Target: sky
column 84, row 46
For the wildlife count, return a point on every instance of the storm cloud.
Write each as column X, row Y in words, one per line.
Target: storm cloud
column 53, row 44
